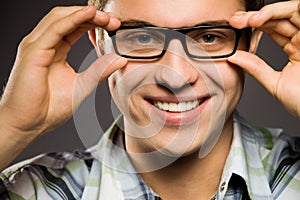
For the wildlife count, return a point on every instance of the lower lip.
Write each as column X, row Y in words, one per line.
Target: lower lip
column 180, row 118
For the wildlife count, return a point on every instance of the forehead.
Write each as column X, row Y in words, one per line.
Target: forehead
column 176, row 13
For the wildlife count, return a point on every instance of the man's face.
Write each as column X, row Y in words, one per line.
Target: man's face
column 175, row 102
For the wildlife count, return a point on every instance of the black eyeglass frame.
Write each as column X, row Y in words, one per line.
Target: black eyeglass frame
column 181, row 37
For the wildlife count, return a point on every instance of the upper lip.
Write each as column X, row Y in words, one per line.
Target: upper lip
column 176, row 99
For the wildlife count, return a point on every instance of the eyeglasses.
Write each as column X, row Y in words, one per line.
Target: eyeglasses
column 201, row 42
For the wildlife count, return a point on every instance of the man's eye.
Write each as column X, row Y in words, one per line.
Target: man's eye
column 144, row 39
column 209, row 38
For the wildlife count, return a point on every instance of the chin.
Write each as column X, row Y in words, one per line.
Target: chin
column 177, row 142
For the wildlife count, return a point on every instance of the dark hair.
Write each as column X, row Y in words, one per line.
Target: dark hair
column 250, row 4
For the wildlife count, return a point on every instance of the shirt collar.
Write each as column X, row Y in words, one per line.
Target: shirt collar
column 110, row 151
column 245, row 160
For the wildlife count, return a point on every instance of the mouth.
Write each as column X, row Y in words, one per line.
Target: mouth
column 178, row 111
column 177, row 107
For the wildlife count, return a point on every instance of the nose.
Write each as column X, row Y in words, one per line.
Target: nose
column 178, row 71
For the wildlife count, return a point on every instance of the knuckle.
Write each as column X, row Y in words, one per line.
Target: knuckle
column 57, row 9
column 64, row 10
column 26, row 41
column 288, row 48
column 266, row 7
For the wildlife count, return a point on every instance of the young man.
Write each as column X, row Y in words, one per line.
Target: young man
column 177, row 79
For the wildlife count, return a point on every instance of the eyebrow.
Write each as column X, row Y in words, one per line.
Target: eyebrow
column 140, row 23
column 136, row 23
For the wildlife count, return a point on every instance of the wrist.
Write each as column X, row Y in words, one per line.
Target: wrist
column 11, row 132
column 19, row 121
column 12, row 140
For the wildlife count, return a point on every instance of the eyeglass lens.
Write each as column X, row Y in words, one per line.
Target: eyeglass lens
column 147, row 42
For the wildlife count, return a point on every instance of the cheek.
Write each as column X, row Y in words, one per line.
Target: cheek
column 119, row 76
column 235, row 74
column 118, row 90
column 124, row 83
column 234, row 84
column 112, row 81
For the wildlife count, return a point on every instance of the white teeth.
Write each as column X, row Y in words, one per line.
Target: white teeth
column 177, row 107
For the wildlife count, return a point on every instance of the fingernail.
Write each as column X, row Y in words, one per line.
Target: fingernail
column 115, row 22
column 114, row 19
column 101, row 13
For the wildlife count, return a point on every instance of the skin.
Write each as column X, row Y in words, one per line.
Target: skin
column 220, row 81
column 282, row 25
column 41, row 67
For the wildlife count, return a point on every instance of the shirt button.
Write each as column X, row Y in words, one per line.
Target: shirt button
column 222, row 186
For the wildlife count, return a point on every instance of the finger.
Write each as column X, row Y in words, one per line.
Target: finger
column 65, row 45
column 281, row 10
column 58, row 13
column 58, row 30
column 281, row 36
column 280, row 31
column 257, row 68
column 276, row 11
column 279, row 39
column 292, row 48
column 74, row 36
column 240, row 19
column 70, row 39
column 100, row 70
column 114, row 22
column 282, row 27
column 55, row 14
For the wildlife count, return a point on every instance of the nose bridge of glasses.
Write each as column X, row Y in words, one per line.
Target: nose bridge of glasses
column 175, row 42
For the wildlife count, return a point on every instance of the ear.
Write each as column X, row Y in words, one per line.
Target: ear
column 255, row 39
column 94, row 40
column 92, row 37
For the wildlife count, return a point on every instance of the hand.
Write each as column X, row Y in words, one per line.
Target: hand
column 43, row 88
column 281, row 21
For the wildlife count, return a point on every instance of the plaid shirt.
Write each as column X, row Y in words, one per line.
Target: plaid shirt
column 262, row 164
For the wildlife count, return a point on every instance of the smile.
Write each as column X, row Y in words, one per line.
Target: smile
column 182, row 106
column 178, row 111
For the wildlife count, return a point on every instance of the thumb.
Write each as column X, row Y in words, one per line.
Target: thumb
column 257, row 68
column 98, row 71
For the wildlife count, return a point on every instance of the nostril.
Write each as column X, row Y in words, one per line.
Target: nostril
column 174, row 90
column 175, row 79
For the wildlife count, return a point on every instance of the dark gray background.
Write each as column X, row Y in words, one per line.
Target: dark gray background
column 19, row 17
